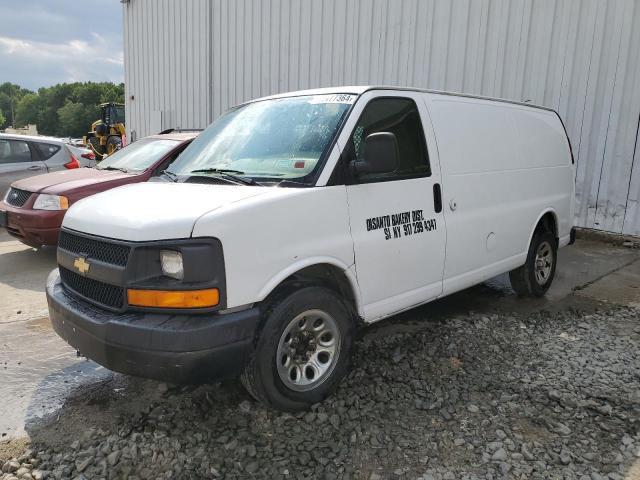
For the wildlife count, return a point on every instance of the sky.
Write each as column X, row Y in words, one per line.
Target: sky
column 44, row 42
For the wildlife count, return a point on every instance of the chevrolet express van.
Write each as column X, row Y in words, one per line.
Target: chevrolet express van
column 293, row 219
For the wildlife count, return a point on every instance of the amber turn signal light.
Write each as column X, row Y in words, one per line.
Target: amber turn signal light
column 174, row 298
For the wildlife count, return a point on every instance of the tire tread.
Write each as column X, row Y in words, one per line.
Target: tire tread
column 519, row 281
column 522, row 278
column 251, row 377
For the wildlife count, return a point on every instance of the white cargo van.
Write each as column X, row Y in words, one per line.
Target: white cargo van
column 295, row 218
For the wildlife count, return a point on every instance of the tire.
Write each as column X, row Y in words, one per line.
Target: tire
column 296, row 383
column 113, row 144
column 94, row 144
column 534, row 278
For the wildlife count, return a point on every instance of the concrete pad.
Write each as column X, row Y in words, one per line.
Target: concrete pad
column 23, row 272
column 579, row 265
column 37, row 369
column 586, row 261
column 621, row 287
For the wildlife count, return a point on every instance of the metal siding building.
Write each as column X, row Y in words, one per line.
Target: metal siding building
column 187, row 61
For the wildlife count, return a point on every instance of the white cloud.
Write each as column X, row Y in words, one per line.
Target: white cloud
column 70, row 61
column 44, row 42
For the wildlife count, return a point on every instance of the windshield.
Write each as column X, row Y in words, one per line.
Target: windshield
column 113, row 114
column 278, row 139
column 138, row 156
column 117, row 114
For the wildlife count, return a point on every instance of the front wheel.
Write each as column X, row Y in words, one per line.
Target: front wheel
column 94, row 144
column 534, row 278
column 302, row 351
column 113, row 144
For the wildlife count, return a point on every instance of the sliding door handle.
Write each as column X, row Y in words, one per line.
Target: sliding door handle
column 437, row 198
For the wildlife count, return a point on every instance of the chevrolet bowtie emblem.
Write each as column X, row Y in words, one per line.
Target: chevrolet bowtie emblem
column 82, row 265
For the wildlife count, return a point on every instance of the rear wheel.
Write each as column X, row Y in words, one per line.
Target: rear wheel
column 303, row 350
column 534, row 278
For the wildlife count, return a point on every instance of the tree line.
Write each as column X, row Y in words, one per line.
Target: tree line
column 63, row 110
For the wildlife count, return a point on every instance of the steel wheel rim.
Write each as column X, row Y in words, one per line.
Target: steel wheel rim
column 308, row 350
column 543, row 263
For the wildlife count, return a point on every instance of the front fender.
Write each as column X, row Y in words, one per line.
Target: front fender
column 269, row 237
column 281, row 276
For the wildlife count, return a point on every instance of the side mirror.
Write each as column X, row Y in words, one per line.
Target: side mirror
column 380, row 154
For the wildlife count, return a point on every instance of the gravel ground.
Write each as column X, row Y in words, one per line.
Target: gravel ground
column 544, row 395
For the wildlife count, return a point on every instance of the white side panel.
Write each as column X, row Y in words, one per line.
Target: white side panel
column 503, row 166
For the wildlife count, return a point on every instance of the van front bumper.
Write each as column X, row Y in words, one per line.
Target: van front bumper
column 176, row 348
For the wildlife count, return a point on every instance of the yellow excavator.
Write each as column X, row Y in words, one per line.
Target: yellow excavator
column 108, row 133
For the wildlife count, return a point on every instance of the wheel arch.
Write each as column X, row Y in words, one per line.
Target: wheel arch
column 547, row 221
column 326, row 271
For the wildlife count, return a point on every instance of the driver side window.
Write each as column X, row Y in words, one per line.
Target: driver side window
column 399, row 116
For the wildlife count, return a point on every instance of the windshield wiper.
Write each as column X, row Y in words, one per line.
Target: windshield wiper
column 172, row 176
column 228, row 174
column 123, row 170
column 217, row 170
column 293, row 183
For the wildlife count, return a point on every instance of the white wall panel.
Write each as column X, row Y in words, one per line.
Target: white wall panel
column 167, row 63
column 193, row 59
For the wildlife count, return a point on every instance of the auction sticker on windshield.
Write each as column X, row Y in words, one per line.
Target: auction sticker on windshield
column 339, row 98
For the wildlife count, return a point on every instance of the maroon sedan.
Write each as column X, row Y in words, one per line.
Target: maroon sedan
column 34, row 207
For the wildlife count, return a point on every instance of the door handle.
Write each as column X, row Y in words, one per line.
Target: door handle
column 437, row 197
column 34, row 167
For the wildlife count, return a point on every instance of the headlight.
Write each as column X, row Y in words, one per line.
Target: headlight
column 171, row 262
column 50, row 202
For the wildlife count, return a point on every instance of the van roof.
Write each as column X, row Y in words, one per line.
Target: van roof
column 360, row 89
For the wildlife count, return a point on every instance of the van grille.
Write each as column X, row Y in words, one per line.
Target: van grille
column 112, row 253
column 17, row 197
column 100, row 292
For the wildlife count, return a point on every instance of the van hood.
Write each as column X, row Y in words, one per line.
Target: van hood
column 61, row 182
column 154, row 211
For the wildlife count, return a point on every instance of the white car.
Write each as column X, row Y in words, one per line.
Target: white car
column 296, row 218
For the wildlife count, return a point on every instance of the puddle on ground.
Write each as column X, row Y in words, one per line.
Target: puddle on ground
column 37, row 371
column 34, row 400
column 51, row 393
